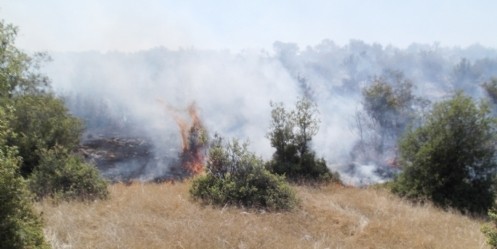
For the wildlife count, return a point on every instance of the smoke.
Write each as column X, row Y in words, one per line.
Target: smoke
column 117, row 93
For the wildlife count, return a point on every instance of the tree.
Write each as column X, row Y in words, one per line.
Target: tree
column 306, row 124
column 18, row 71
column 390, row 103
column 490, row 87
column 463, row 76
column 39, row 122
column 20, row 227
column 291, row 135
column 451, row 158
column 236, row 176
column 389, row 107
column 40, row 119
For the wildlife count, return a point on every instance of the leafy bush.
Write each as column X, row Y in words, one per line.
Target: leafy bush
column 291, row 134
column 66, row 176
column 451, row 158
column 42, row 122
column 238, row 177
column 20, row 227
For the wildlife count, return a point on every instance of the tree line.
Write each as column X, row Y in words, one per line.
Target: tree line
column 38, row 138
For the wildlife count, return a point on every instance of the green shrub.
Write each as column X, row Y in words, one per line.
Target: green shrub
column 306, row 170
column 42, row 122
column 450, row 160
column 20, row 227
column 66, row 176
column 236, row 176
column 260, row 189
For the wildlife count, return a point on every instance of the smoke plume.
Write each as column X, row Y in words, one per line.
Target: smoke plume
column 117, row 95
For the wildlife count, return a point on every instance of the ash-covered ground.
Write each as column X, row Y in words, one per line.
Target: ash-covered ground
column 131, row 158
column 122, row 158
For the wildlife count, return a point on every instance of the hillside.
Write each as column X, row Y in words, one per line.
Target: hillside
column 163, row 216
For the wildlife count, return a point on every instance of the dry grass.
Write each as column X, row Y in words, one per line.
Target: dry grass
column 163, row 216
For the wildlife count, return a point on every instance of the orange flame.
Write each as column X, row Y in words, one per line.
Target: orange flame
column 193, row 138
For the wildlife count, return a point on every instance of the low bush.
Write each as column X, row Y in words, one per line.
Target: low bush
column 259, row 189
column 236, row 176
column 42, row 122
column 66, row 176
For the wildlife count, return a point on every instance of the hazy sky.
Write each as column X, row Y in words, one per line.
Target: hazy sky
column 128, row 25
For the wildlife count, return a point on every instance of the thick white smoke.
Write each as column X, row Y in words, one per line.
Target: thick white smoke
column 233, row 91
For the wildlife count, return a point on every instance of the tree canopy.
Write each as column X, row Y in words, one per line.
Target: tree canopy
column 451, row 158
column 37, row 134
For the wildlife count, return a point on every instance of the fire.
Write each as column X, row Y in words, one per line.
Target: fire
column 193, row 137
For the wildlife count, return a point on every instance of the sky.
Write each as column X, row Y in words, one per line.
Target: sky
column 127, row 25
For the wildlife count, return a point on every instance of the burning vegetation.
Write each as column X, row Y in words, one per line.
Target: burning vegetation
column 194, row 140
column 126, row 158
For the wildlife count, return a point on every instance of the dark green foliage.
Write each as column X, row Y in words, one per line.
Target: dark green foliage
column 451, row 158
column 305, row 169
column 236, row 176
column 258, row 189
column 66, row 176
column 42, row 122
column 20, row 227
column 490, row 230
column 291, row 134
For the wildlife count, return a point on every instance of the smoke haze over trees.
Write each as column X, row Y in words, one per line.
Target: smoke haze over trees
column 233, row 91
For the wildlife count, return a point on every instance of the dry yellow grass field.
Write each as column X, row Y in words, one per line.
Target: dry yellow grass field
column 164, row 216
